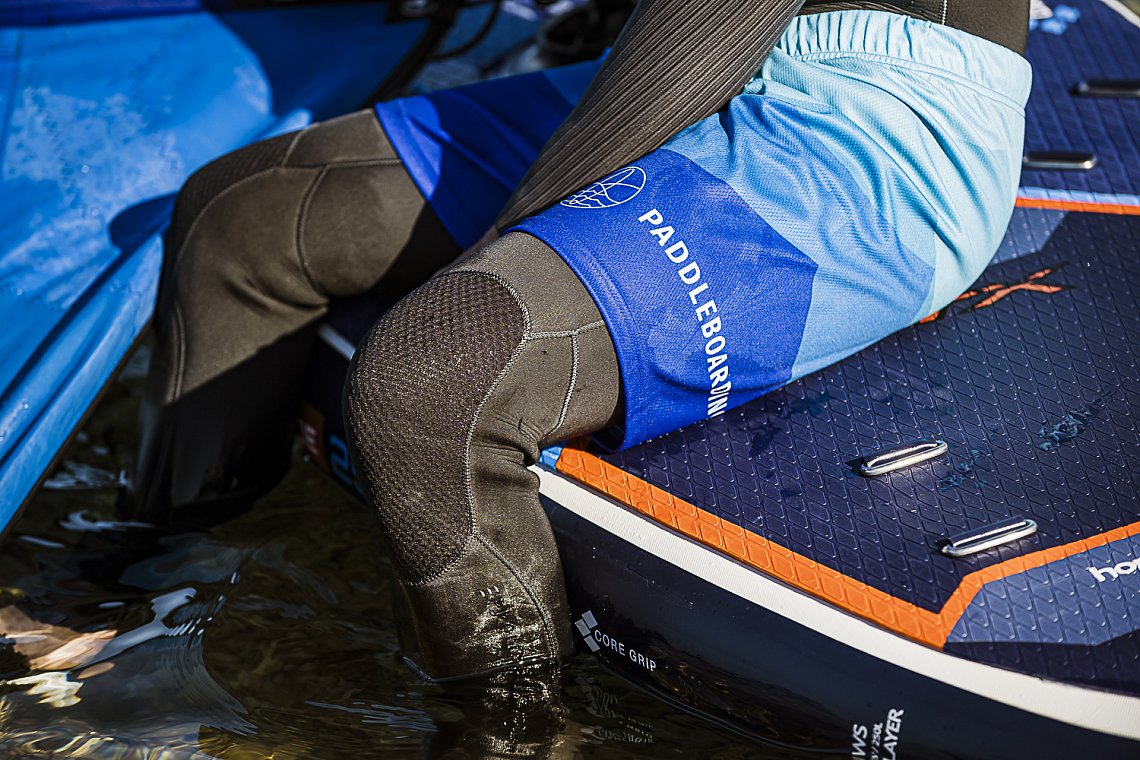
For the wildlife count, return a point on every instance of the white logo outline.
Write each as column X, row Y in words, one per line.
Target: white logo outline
column 586, row 625
column 620, row 187
column 1114, row 571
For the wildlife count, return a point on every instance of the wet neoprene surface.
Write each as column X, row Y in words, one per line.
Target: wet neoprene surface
column 473, row 373
column 260, row 241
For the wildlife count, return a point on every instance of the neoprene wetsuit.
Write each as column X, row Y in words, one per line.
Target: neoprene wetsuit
column 458, row 387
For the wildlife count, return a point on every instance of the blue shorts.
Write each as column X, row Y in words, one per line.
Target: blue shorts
column 860, row 181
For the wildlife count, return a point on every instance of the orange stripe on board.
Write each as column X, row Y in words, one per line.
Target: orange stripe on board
column 856, row 597
column 1089, row 208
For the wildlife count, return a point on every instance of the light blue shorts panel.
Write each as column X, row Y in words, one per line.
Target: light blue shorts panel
column 862, row 180
column 926, row 110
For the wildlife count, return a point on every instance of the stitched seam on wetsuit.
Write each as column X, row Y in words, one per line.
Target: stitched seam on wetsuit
column 574, row 354
column 180, row 367
column 570, row 387
column 209, row 204
column 573, row 382
column 547, row 623
column 299, row 231
column 564, row 333
column 468, row 484
column 350, row 164
column 293, row 144
column 468, row 487
column 943, row 21
column 194, row 225
column 477, row 325
column 469, row 491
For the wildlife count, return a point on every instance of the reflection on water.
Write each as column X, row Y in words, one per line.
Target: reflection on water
column 269, row 635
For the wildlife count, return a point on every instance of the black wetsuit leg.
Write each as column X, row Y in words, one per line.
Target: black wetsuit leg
column 261, row 239
column 449, row 401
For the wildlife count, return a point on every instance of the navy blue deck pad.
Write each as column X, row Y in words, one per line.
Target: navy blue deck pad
column 1034, row 393
column 1091, row 607
column 1089, row 40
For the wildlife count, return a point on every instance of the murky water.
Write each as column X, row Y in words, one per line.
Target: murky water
column 268, row 636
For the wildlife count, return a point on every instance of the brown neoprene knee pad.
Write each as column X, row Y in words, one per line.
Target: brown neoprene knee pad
column 411, row 402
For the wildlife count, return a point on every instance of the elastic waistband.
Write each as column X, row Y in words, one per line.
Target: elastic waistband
column 909, row 41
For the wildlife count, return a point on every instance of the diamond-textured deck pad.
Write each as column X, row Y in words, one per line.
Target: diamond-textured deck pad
column 1031, row 377
column 1084, row 40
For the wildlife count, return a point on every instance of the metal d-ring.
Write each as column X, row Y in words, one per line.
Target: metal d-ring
column 898, row 457
column 980, row 539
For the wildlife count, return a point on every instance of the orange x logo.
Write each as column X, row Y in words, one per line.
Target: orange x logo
column 999, row 290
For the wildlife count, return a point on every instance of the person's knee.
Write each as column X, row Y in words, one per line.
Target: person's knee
column 328, row 210
column 364, row 218
column 448, row 401
column 413, row 397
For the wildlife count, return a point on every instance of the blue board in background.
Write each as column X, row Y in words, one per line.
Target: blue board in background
column 106, row 106
column 100, row 123
column 46, row 12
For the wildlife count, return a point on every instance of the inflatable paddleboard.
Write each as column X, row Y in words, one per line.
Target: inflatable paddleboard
column 930, row 549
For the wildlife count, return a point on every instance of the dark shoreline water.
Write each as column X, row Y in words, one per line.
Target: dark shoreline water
column 269, row 635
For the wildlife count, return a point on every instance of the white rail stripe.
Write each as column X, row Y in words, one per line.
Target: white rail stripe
column 336, row 341
column 1128, row 14
column 1108, row 713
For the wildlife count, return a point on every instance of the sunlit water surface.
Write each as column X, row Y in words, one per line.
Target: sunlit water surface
column 267, row 636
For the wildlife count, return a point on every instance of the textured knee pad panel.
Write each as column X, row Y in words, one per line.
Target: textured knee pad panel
column 412, row 399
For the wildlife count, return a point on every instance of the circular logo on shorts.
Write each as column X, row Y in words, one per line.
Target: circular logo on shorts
column 621, row 186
